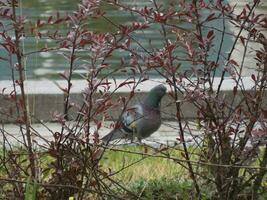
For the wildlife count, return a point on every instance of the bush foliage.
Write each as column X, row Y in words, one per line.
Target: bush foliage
column 229, row 157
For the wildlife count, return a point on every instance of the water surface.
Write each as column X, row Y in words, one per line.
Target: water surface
column 49, row 64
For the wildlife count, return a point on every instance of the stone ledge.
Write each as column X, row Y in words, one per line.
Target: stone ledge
column 51, row 87
column 45, row 97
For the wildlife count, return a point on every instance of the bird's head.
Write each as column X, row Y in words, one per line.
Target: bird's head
column 155, row 95
column 159, row 90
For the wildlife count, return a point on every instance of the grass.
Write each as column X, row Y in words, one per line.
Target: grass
column 140, row 167
column 149, row 177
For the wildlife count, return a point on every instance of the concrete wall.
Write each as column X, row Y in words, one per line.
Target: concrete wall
column 45, row 98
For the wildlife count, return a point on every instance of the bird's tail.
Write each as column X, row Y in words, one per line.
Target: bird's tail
column 113, row 135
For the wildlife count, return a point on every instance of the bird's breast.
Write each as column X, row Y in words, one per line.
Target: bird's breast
column 150, row 123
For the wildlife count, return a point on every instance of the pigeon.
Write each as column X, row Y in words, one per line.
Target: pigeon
column 141, row 120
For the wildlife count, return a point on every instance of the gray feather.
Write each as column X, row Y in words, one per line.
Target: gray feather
column 114, row 135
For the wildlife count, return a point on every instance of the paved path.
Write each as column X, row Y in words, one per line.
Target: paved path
column 167, row 133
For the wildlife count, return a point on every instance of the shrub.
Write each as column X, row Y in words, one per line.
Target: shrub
column 232, row 127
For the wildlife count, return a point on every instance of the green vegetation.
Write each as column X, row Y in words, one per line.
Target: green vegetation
column 146, row 167
column 145, row 176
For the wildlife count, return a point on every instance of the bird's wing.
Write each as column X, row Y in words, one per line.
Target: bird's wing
column 127, row 124
column 130, row 118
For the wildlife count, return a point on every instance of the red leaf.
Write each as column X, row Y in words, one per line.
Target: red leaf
column 5, row 12
column 210, row 34
column 58, row 21
column 256, row 1
column 253, row 77
column 39, row 23
column 219, row 3
column 53, row 152
column 170, row 47
column 233, row 62
column 145, row 149
column 235, row 90
column 49, row 20
column 126, row 83
column 202, row 4
column 131, row 94
column 123, row 99
column 242, row 40
column 256, row 19
column 99, row 124
column 211, row 17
